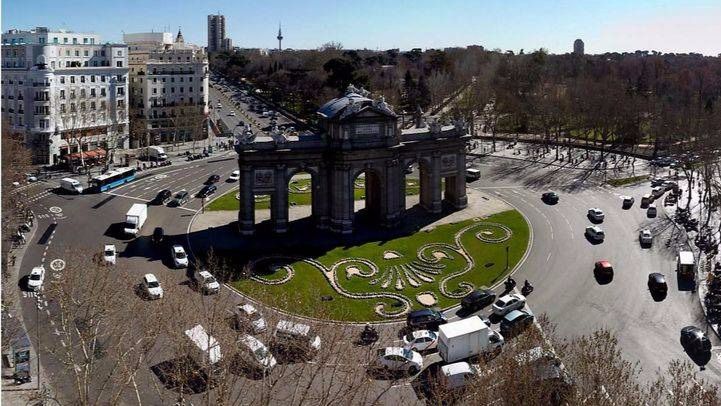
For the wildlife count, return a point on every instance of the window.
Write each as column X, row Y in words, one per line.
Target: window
column 72, row 79
column 65, row 40
column 82, row 106
column 92, row 92
column 86, row 52
column 55, row 40
column 85, row 63
column 119, row 64
column 82, row 93
column 190, row 79
column 102, row 92
column 102, row 104
column 77, row 52
column 52, row 64
column 172, row 90
column 92, row 105
column 190, row 89
column 85, row 40
column 155, row 90
column 72, row 93
column 121, row 103
column 62, row 79
column 181, row 89
column 120, row 53
column 67, row 52
column 75, row 41
column 72, row 108
column 82, row 78
column 172, row 80
column 42, row 40
column 62, row 94
column 102, row 78
column 92, row 78
column 92, row 40
column 102, row 52
column 62, row 108
column 121, row 91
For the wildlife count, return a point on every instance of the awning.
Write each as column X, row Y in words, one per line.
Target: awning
column 96, row 153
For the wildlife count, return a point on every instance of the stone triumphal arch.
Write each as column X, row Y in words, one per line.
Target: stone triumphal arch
column 358, row 135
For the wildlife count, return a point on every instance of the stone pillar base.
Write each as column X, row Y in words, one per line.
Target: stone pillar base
column 341, row 226
column 434, row 208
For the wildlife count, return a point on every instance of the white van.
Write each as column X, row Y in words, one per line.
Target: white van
column 473, row 174
column 204, row 349
column 686, row 264
column 254, row 353
column 71, row 185
column 296, row 336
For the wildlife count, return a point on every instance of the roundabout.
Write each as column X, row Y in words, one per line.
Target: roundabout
column 384, row 280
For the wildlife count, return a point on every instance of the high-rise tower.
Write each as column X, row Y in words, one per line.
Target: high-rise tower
column 216, row 32
column 280, row 38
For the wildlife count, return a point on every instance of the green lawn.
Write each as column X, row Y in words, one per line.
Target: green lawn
column 627, row 181
column 303, row 293
column 299, row 195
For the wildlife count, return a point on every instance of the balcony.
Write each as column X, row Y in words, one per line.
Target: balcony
column 41, row 99
column 41, row 84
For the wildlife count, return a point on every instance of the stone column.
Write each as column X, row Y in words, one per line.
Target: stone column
column 279, row 201
column 341, row 199
column 455, row 192
column 321, row 194
column 431, row 184
column 246, row 213
column 394, row 204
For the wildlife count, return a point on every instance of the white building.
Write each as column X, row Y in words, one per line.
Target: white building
column 66, row 92
column 169, row 89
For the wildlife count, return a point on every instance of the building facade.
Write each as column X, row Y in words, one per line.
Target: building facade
column 578, row 47
column 65, row 92
column 216, row 33
column 168, row 89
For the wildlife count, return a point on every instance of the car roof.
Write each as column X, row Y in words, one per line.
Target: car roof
column 422, row 312
column 422, row 333
column 205, row 274
column 109, row 247
column 394, row 351
column 150, row 277
column 251, row 342
column 248, row 308
column 604, row 263
column 456, row 369
column 293, row 328
column 37, row 269
column 657, row 275
column 514, row 315
column 178, row 248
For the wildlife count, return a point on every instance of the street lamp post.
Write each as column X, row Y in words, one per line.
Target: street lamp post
column 507, row 248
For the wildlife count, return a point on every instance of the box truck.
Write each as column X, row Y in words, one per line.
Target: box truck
column 204, row 349
column 71, row 185
column 135, row 218
column 467, row 338
column 156, row 153
column 685, row 264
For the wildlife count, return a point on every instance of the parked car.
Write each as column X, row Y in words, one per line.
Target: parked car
column 151, row 287
column 180, row 258
column 657, row 182
column 206, row 282
column 425, row 319
column 694, row 340
column 181, row 198
column 645, row 238
column 515, row 322
column 646, row 200
column 550, row 197
column 508, row 303
column 252, row 352
column 232, row 114
column 457, row 375
column 657, row 283
column 163, row 196
column 36, row 278
column 207, row 190
column 595, row 233
column 658, row 191
column 399, row 359
column 596, row 215
column 234, row 176
column 627, row 201
column 651, row 211
column 478, row 299
column 420, row 340
column 248, row 318
column 109, row 254
column 158, row 235
column 603, row 268
column 212, row 179
column 670, row 200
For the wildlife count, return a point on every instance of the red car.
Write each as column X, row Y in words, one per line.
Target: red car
column 603, row 268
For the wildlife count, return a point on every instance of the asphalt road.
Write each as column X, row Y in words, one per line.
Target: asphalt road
column 233, row 100
column 559, row 264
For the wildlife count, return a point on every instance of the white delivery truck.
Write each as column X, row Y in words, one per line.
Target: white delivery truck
column 204, row 349
column 135, row 218
column 156, row 153
column 467, row 338
column 686, row 264
column 71, row 185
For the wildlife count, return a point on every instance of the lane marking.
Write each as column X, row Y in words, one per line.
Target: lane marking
column 548, row 257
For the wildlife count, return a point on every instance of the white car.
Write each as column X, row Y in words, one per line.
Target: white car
column 458, row 375
column 400, row 359
column 207, row 282
column 595, row 233
column 627, row 201
column 420, row 340
column 152, row 287
column 36, row 278
column 256, row 353
column 180, row 258
column 508, row 303
column 232, row 114
column 645, row 237
column 651, row 211
column 32, row 178
column 596, row 214
column 247, row 316
column 234, row 176
column 109, row 254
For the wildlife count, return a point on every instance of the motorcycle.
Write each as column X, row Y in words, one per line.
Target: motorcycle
column 369, row 335
column 526, row 289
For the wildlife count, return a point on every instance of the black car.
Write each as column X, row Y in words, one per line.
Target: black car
column 694, row 341
column 207, row 190
column 550, row 197
column 212, row 179
column 515, row 322
column 158, row 235
column 478, row 299
column 425, row 319
column 657, row 283
column 163, row 196
column 181, row 198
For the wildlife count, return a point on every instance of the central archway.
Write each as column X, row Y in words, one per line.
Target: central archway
column 367, row 195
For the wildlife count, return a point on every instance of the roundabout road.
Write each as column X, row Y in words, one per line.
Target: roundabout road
column 560, row 265
column 559, row 262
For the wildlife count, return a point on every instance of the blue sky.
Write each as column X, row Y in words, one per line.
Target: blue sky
column 605, row 25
